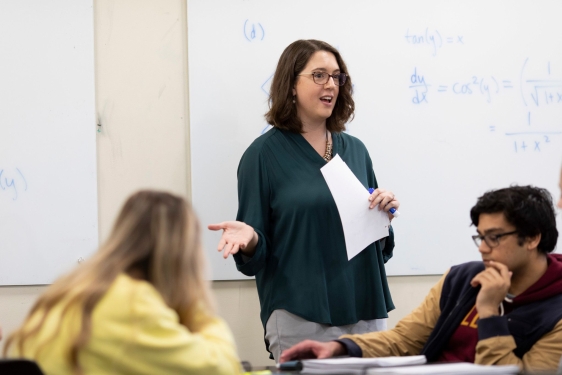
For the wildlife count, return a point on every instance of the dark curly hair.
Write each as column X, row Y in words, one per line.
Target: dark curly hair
column 530, row 209
column 282, row 112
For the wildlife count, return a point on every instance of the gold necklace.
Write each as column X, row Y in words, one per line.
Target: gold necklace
column 328, row 154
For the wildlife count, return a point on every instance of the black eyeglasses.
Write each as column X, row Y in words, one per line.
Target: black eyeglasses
column 321, row 78
column 492, row 240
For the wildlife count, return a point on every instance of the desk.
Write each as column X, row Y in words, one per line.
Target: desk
column 274, row 370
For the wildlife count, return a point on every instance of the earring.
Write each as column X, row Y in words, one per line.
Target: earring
column 294, row 101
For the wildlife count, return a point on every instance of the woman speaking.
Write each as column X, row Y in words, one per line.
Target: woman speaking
column 288, row 233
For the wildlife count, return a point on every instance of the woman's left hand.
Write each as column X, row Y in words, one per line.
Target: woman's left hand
column 385, row 199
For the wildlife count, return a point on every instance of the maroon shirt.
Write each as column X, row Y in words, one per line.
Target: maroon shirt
column 462, row 344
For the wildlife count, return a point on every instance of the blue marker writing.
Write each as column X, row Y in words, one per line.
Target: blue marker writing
column 392, row 210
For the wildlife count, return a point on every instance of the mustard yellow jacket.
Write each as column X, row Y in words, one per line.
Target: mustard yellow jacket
column 134, row 332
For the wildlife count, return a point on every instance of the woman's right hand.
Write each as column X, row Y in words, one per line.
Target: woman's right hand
column 308, row 349
column 236, row 236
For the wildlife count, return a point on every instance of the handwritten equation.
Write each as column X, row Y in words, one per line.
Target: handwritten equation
column 483, row 85
column 12, row 182
column 432, row 39
column 536, row 91
column 540, row 90
column 535, row 88
column 532, row 140
column 534, row 145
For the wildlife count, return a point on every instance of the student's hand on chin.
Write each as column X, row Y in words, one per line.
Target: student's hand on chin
column 494, row 281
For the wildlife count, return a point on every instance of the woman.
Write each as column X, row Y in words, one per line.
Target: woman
column 140, row 305
column 288, row 232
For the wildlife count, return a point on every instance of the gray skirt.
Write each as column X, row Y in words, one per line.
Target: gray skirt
column 284, row 330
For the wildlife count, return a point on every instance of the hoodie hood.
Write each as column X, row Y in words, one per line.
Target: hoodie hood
column 549, row 285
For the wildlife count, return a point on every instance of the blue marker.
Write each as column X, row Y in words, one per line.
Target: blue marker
column 392, row 210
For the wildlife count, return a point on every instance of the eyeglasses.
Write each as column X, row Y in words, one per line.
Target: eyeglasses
column 321, row 78
column 492, row 240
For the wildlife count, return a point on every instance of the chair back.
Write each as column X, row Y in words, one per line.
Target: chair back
column 19, row 367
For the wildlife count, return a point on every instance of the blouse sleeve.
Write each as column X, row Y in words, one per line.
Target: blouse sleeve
column 387, row 250
column 254, row 208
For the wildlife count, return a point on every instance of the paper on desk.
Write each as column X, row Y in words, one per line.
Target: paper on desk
column 361, row 226
column 446, row 369
column 353, row 365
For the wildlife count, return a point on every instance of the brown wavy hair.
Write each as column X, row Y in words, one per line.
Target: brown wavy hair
column 156, row 236
column 282, row 112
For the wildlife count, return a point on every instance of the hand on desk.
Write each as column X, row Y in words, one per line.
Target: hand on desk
column 495, row 281
column 236, row 236
column 313, row 349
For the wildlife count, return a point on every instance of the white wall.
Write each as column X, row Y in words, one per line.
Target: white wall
column 142, row 104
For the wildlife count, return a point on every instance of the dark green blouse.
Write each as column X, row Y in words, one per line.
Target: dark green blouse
column 301, row 262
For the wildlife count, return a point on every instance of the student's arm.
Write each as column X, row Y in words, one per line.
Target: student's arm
column 156, row 343
column 496, row 345
column 498, row 349
column 410, row 334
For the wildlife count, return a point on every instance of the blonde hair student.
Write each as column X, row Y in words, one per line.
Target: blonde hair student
column 140, row 305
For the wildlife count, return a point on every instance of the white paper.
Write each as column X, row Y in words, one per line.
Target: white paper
column 354, row 365
column 446, row 369
column 361, row 226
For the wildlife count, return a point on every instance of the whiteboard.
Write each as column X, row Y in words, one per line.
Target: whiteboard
column 48, row 186
column 453, row 98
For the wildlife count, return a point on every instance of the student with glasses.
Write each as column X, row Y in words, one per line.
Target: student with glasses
column 288, row 231
column 505, row 309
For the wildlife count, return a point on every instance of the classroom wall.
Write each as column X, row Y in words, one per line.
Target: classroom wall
column 142, row 105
